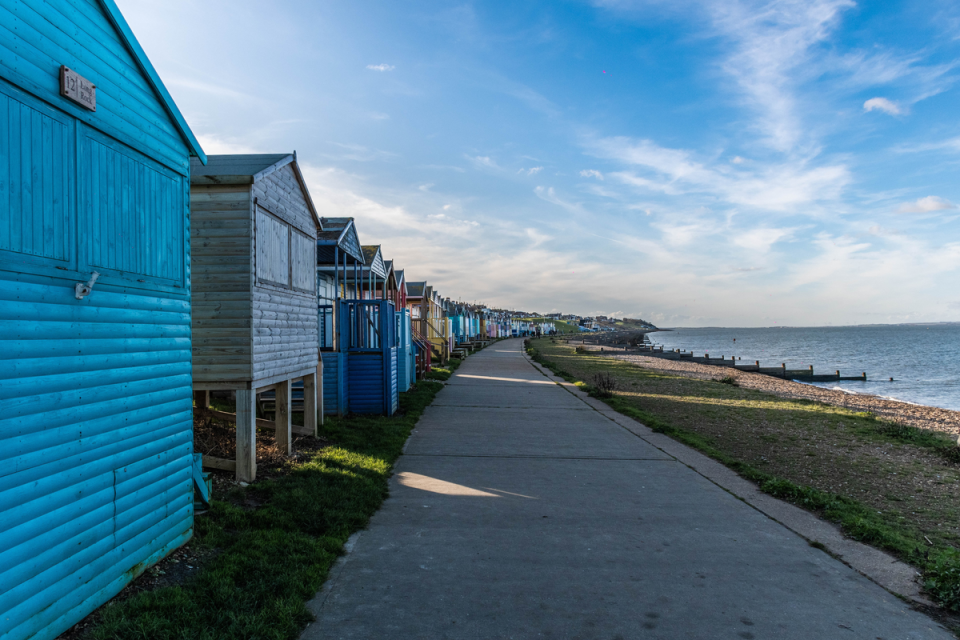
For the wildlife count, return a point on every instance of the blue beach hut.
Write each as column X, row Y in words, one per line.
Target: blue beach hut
column 339, row 258
column 367, row 334
column 96, row 431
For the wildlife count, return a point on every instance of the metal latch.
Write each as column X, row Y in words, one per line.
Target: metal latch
column 84, row 289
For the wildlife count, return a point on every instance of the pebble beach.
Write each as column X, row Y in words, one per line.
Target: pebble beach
column 914, row 415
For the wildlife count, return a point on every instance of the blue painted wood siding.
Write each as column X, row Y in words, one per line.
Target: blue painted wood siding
column 134, row 211
column 365, row 378
column 334, row 383
column 405, row 352
column 36, row 180
column 96, row 438
column 96, row 426
column 37, row 37
column 393, row 402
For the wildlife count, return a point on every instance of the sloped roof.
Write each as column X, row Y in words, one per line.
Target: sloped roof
column 243, row 165
column 126, row 34
column 374, row 259
column 391, row 277
column 340, row 232
column 415, row 289
column 247, row 168
column 398, row 273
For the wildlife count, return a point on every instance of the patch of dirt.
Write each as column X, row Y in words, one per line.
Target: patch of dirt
column 218, row 438
column 177, row 568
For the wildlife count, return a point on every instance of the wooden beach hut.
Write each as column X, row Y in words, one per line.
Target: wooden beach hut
column 418, row 306
column 406, row 345
column 254, row 292
column 339, row 257
column 368, row 337
column 96, row 429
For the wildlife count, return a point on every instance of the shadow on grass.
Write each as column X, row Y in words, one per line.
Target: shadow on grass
column 273, row 558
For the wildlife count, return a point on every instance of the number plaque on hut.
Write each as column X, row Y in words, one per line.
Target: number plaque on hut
column 75, row 87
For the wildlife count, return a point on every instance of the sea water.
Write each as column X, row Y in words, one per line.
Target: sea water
column 923, row 360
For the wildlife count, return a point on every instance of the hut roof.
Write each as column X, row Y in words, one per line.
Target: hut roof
column 373, row 258
column 247, row 168
column 341, row 233
column 415, row 289
column 391, row 275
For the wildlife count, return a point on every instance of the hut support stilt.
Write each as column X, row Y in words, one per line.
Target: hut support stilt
column 310, row 402
column 282, row 419
column 246, row 435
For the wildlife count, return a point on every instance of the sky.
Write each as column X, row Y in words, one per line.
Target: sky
column 688, row 162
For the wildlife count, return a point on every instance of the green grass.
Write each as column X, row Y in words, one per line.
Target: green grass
column 444, row 373
column 276, row 539
column 747, row 430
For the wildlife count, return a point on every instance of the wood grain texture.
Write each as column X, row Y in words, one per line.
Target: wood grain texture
column 246, row 435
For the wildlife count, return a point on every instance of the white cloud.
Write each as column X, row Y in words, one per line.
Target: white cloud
column 778, row 187
column 534, row 171
column 773, row 44
column 591, row 173
column 484, row 161
column 926, row 205
column 761, row 239
column 214, row 145
column 882, row 104
column 381, row 67
column 737, row 160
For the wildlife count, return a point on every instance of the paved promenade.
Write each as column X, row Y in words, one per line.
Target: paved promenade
column 521, row 511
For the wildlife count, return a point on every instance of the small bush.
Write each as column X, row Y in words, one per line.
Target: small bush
column 942, row 578
column 729, row 380
column 604, row 384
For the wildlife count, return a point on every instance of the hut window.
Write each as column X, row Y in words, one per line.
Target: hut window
column 36, row 183
column 286, row 257
column 302, row 253
column 273, row 249
column 133, row 209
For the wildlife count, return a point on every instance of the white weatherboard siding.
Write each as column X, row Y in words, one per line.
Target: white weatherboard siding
column 255, row 302
column 285, row 317
column 222, row 301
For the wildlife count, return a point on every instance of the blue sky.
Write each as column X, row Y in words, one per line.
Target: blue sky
column 689, row 162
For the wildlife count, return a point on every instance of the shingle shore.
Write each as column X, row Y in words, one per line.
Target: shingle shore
column 920, row 416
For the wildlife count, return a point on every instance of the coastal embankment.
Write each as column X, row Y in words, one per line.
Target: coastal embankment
column 915, row 415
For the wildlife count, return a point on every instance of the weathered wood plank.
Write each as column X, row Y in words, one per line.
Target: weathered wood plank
column 283, row 418
column 246, row 435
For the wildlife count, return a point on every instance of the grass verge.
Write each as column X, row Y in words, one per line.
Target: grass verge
column 273, row 542
column 886, row 484
column 444, row 373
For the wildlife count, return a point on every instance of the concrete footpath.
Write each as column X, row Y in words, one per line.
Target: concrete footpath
column 522, row 510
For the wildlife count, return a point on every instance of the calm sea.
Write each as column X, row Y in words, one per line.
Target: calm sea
column 923, row 360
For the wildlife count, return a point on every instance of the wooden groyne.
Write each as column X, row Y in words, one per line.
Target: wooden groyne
column 800, row 375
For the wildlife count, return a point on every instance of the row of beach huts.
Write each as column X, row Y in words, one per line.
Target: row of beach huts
column 137, row 277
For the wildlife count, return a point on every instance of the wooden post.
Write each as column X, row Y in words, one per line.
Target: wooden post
column 201, row 399
column 283, row 416
column 310, row 400
column 246, row 435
